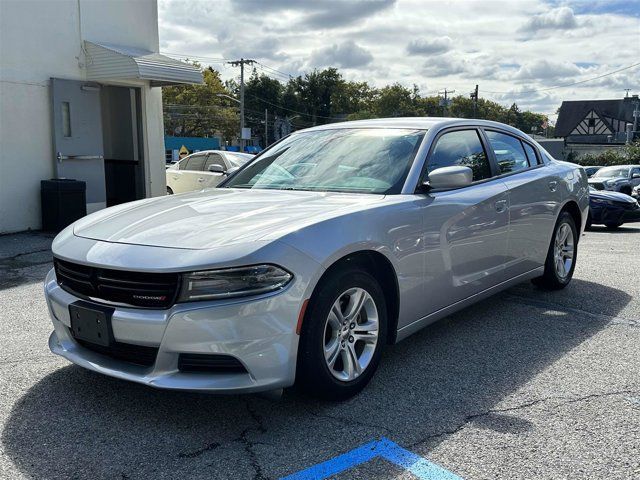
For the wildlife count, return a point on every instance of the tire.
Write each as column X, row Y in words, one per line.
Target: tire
column 169, row 191
column 552, row 279
column 321, row 331
column 612, row 226
column 626, row 190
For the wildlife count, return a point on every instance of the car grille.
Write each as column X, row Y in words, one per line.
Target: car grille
column 149, row 290
column 209, row 363
column 597, row 185
column 127, row 352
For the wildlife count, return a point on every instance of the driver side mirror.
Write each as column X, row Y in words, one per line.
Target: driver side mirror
column 219, row 169
column 449, row 177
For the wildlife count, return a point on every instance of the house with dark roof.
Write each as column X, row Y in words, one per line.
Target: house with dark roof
column 596, row 121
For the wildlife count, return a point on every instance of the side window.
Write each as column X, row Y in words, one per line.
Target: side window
column 214, row 159
column 531, row 154
column 509, row 152
column 195, row 162
column 461, row 147
column 182, row 164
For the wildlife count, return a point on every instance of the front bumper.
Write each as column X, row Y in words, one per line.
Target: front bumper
column 259, row 332
column 614, row 213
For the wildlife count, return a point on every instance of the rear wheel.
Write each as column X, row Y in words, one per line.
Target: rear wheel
column 562, row 254
column 169, row 191
column 626, row 190
column 342, row 336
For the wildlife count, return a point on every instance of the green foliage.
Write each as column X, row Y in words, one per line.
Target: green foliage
column 318, row 97
column 629, row 154
column 197, row 111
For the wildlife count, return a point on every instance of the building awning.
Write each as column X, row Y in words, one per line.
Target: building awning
column 106, row 61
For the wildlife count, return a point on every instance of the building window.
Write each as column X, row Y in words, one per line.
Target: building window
column 592, row 122
column 66, row 120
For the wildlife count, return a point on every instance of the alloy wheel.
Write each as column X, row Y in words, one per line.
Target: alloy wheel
column 351, row 334
column 564, row 250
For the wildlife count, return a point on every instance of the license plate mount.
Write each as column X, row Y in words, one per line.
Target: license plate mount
column 91, row 323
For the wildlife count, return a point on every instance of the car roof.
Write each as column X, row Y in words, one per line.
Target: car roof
column 423, row 123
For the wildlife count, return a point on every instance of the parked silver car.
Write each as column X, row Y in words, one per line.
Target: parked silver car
column 619, row 178
column 330, row 244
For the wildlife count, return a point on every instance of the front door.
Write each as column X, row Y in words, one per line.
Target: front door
column 466, row 229
column 212, row 179
column 77, row 137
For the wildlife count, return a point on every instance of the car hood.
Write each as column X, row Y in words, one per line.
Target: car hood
column 613, row 196
column 217, row 217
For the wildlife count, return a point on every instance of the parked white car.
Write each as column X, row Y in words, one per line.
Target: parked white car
column 203, row 169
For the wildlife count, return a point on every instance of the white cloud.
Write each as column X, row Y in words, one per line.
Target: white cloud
column 543, row 69
column 504, row 46
column 345, row 55
column 434, row 46
column 557, row 19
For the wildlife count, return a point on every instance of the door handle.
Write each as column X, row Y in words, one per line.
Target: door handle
column 553, row 186
column 501, row 206
column 60, row 157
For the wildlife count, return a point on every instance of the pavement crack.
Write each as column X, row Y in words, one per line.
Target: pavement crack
column 18, row 255
column 564, row 401
column 249, row 444
column 197, row 453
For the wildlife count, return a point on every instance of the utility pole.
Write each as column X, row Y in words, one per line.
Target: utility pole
column 445, row 104
column 266, row 128
column 241, row 63
column 474, row 97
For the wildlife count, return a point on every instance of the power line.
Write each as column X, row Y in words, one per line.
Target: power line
column 295, row 111
column 568, row 84
column 288, row 75
column 183, row 55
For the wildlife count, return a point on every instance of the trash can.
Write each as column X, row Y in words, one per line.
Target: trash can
column 63, row 202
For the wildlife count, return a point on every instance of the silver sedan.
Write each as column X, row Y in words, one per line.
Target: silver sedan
column 329, row 245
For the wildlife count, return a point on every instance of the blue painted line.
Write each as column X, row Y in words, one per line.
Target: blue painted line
column 384, row 448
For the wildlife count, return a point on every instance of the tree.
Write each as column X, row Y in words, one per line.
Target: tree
column 197, row 111
column 394, row 101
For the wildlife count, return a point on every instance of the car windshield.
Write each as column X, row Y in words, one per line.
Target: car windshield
column 238, row 159
column 614, row 172
column 361, row 160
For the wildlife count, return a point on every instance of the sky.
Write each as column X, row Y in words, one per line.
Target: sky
column 513, row 50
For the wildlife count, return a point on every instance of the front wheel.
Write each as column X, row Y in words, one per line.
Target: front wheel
column 613, row 226
column 562, row 254
column 342, row 336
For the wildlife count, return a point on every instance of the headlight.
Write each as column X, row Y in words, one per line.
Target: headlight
column 232, row 282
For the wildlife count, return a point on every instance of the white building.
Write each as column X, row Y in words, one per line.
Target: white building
column 80, row 98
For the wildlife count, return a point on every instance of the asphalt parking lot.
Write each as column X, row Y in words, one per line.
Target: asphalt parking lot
column 528, row 384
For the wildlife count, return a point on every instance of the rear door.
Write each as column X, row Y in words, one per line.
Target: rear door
column 190, row 170
column 466, row 228
column 533, row 200
column 211, row 179
column 77, row 137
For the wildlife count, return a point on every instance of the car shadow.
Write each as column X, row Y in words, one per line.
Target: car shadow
column 625, row 228
column 75, row 423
